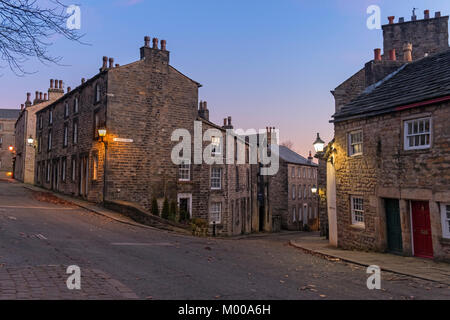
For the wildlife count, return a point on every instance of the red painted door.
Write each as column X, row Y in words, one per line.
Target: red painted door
column 423, row 244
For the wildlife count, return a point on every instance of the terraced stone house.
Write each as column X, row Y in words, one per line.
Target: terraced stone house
column 140, row 104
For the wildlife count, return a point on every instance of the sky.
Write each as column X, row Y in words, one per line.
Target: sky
column 262, row 62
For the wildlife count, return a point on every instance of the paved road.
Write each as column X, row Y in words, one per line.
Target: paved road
column 153, row 264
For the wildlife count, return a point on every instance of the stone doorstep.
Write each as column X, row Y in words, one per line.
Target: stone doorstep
column 424, row 270
column 95, row 209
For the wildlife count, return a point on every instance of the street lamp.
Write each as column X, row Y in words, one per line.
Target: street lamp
column 102, row 134
column 30, row 140
column 319, row 144
column 11, row 149
column 314, row 189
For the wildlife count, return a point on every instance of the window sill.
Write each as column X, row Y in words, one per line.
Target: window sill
column 360, row 227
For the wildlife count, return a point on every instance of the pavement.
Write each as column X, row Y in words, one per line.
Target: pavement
column 425, row 269
column 40, row 237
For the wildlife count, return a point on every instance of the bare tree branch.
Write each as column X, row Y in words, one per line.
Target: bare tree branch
column 26, row 29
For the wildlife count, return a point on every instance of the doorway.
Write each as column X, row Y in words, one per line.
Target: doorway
column 393, row 225
column 421, row 229
column 185, row 205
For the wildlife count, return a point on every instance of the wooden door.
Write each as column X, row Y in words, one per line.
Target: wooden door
column 423, row 244
column 394, row 227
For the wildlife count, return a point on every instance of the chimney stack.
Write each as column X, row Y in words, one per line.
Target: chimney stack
column 155, row 43
column 51, row 83
column 111, row 63
column 407, row 52
column 391, row 19
column 60, row 84
column 377, row 54
column 147, row 41
column 28, row 101
column 392, row 55
column 426, row 14
column 203, row 111
column 163, row 45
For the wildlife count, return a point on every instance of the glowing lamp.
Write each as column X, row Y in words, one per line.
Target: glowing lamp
column 319, row 144
column 314, row 189
column 11, row 148
column 30, row 141
column 102, row 132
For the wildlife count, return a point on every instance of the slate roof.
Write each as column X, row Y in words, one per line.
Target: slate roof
column 418, row 81
column 9, row 113
column 292, row 157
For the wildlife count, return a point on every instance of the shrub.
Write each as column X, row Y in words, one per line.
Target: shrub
column 199, row 227
column 166, row 210
column 154, row 207
column 173, row 211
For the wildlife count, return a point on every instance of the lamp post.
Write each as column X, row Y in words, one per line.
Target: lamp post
column 319, row 144
column 102, row 134
column 31, row 142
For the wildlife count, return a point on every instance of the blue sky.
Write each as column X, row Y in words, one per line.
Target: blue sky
column 265, row 63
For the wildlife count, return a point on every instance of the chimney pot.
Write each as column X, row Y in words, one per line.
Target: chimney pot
column 155, row 43
column 45, row 96
column 391, row 19
column 60, row 84
column 28, row 96
column 51, row 83
column 21, row 106
column 392, row 55
column 163, row 45
column 205, row 105
column 229, row 121
column 401, row 20
column 105, row 62
column 111, row 63
column 68, row 89
column 147, row 41
column 426, row 14
column 377, row 54
column 407, row 52
column 225, row 122
column 56, row 83
column 83, row 80
column 117, row 65
column 40, row 95
column 37, row 95
column 437, row 14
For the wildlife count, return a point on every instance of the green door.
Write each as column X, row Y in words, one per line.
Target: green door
column 394, row 227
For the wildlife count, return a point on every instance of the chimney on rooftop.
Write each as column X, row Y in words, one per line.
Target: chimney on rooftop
column 407, row 52
column 111, row 63
column 391, row 19
column 154, row 55
column 377, row 54
column 203, row 111
column 392, row 55
column 28, row 101
column 426, row 14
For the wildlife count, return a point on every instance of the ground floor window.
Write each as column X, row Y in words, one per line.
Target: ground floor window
column 445, row 214
column 357, row 208
column 215, row 213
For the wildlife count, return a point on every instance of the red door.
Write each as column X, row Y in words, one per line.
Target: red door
column 423, row 244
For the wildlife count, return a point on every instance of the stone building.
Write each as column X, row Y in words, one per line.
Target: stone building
column 290, row 191
column 25, row 129
column 388, row 169
column 7, row 119
column 140, row 105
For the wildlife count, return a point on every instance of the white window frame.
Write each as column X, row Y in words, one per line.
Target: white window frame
column 97, row 93
column 406, row 135
column 445, row 220
column 214, row 178
column 184, row 171
column 355, row 210
column 215, row 213
column 352, row 143
column 217, row 146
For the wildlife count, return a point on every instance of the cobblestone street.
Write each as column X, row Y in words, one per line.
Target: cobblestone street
column 39, row 239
